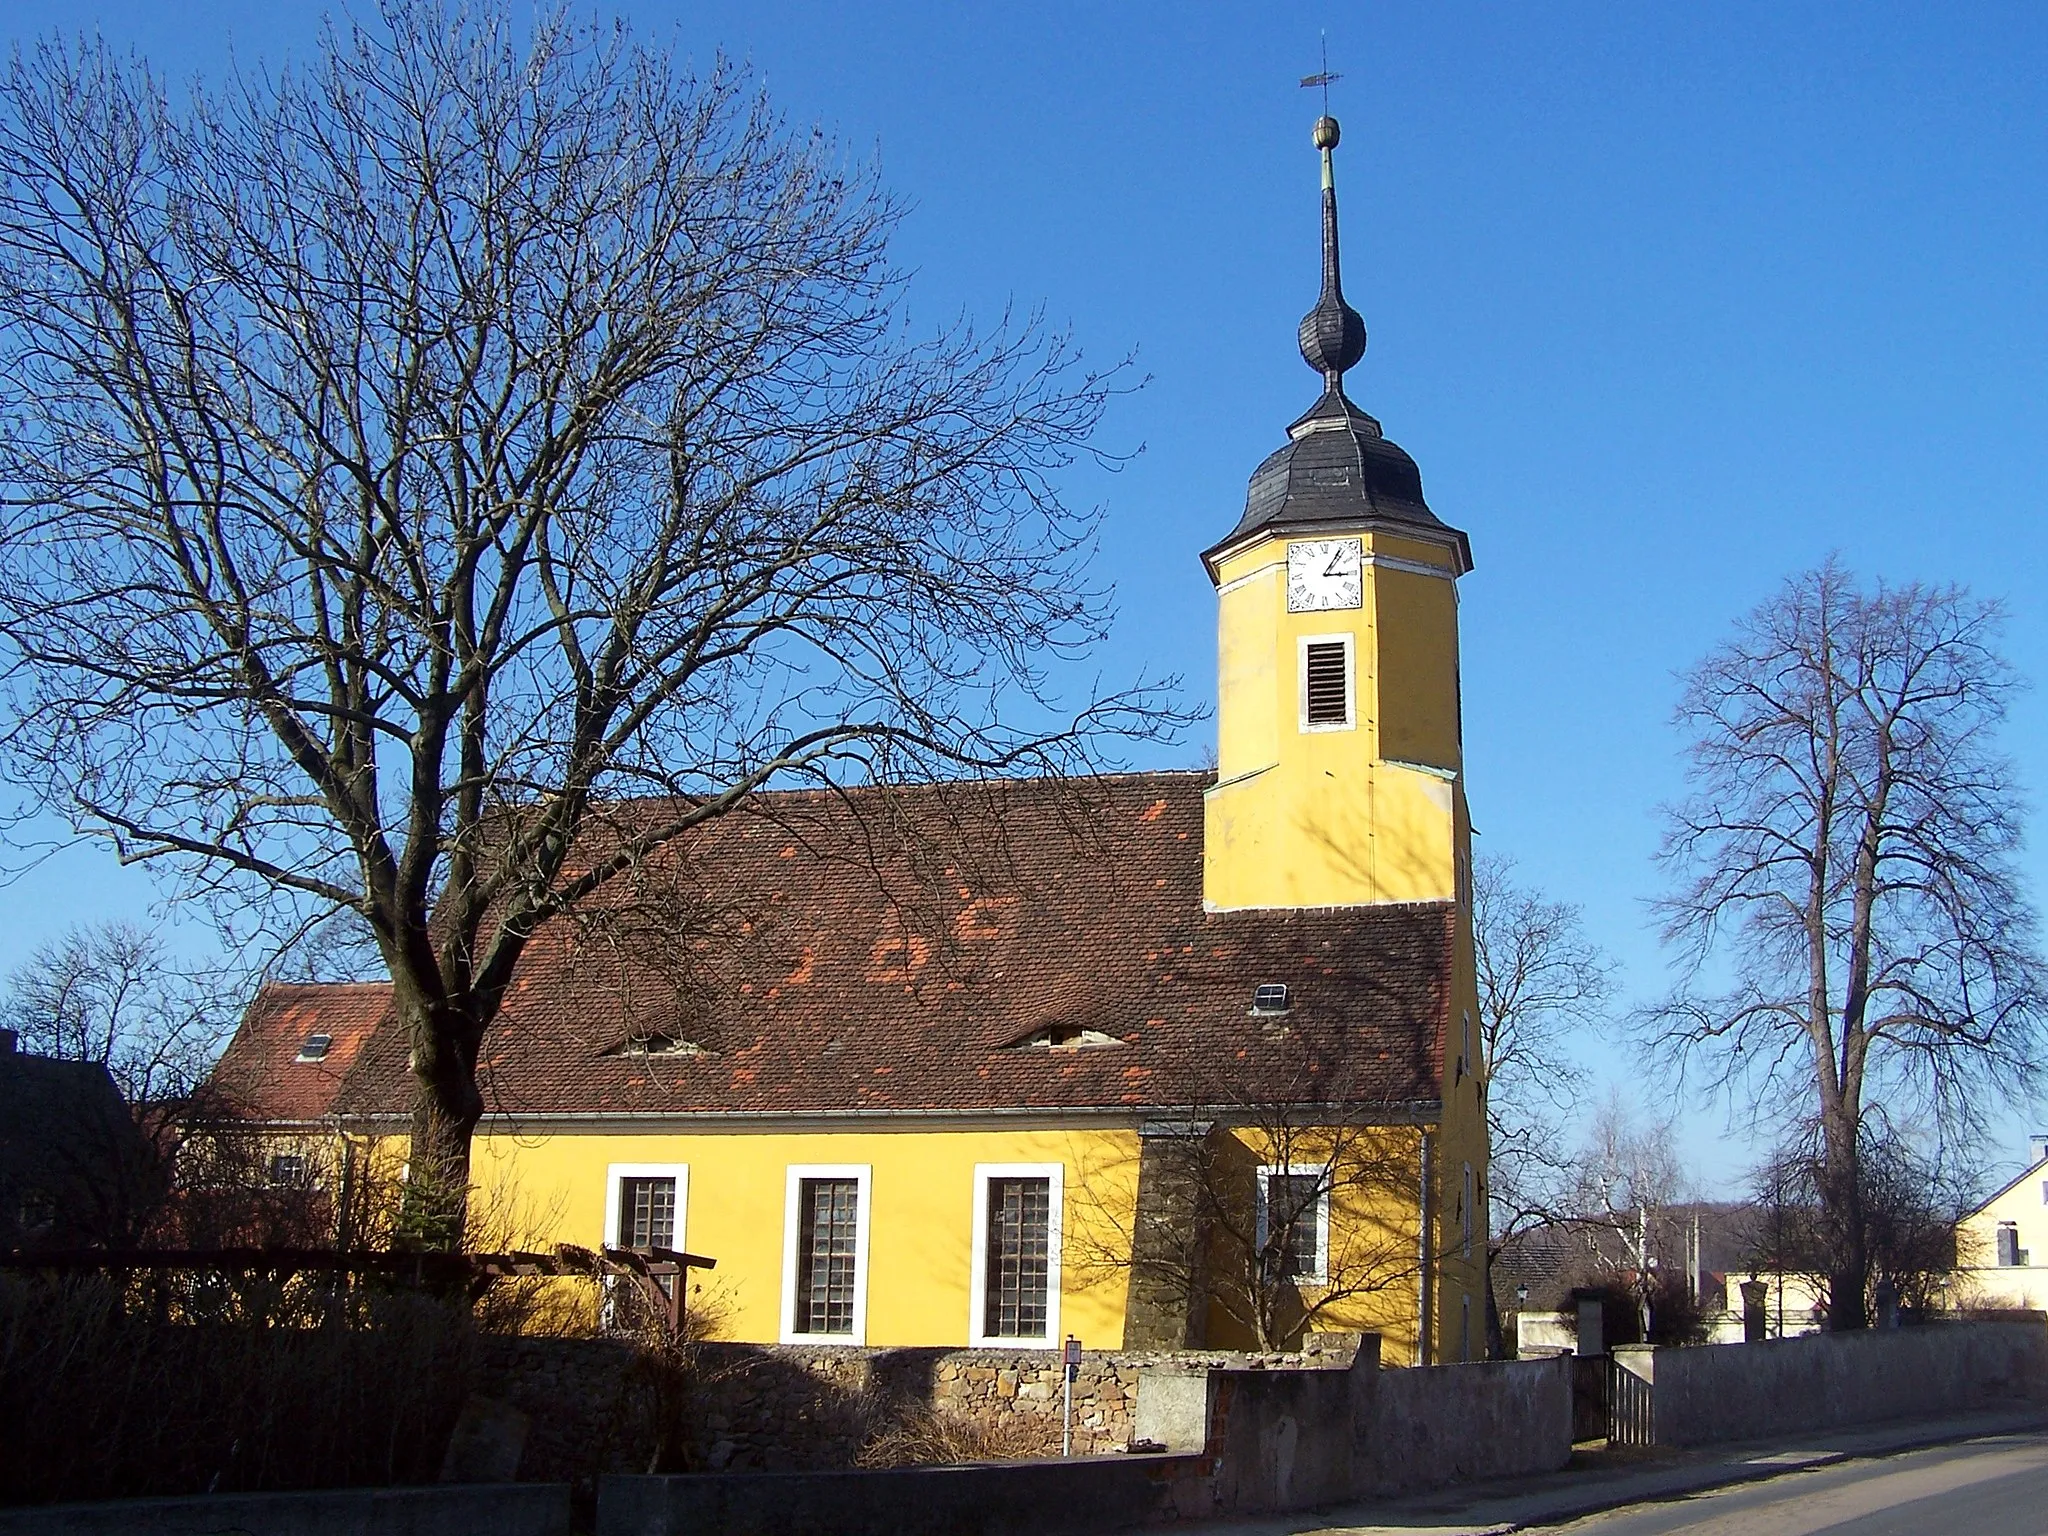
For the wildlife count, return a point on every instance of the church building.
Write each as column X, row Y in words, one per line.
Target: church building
column 1151, row 1060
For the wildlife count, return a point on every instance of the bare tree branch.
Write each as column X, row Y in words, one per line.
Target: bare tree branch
column 1540, row 981
column 408, row 458
column 1847, row 894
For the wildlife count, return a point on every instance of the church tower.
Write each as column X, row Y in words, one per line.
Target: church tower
column 1339, row 756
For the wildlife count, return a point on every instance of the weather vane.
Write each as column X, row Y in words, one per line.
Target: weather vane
column 1323, row 78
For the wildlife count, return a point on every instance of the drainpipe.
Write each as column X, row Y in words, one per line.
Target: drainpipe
column 1424, row 1252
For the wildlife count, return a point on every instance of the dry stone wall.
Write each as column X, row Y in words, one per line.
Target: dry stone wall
column 775, row 1408
column 594, row 1403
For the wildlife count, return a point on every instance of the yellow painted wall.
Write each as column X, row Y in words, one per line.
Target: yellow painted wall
column 1339, row 817
column 1374, row 1249
column 541, row 1189
column 1415, row 620
column 920, row 1218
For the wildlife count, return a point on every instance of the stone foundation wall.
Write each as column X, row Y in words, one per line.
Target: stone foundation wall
column 773, row 1408
column 1029, row 1386
column 595, row 1406
column 591, row 1405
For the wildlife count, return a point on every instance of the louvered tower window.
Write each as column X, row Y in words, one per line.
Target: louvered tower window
column 1326, row 683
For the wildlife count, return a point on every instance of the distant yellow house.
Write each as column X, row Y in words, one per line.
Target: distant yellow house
column 999, row 1063
column 2002, row 1246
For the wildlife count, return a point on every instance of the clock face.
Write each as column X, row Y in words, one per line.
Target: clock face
column 1323, row 574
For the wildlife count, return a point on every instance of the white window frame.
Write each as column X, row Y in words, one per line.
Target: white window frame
column 862, row 1175
column 615, row 1175
column 1327, row 1174
column 977, row 1285
column 1350, row 644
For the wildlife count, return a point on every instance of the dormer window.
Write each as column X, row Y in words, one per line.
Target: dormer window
column 1062, row 1037
column 315, row 1048
column 1270, row 997
column 656, row 1042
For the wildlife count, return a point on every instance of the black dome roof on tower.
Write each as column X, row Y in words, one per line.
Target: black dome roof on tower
column 1337, row 467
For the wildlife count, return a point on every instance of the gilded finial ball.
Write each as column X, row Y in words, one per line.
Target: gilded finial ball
column 1326, row 133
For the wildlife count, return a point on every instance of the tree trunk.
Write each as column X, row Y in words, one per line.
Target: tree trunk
column 445, row 1112
column 1841, row 1192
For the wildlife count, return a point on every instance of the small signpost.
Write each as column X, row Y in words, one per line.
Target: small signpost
column 1072, row 1357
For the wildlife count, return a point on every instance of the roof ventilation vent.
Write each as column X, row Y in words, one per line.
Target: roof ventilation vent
column 1270, row 997
column 315, row 1047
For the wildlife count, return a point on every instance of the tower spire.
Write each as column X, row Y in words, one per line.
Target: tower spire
column 1333, row 333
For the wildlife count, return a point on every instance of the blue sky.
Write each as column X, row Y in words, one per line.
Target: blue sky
column 1667, row 302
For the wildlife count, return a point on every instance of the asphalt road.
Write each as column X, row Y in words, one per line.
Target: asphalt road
column 1996, row 1486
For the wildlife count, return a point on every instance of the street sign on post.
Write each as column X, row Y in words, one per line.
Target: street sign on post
column 1072, row 1356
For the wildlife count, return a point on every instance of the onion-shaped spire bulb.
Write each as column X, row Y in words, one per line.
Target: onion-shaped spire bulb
column 1333, row 333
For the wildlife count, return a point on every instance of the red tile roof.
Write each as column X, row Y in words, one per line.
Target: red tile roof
column 820, row 963
column 260, row 1072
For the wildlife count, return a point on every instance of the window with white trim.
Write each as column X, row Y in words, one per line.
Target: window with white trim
column 645, row 1204
column 825, row 1253
column 1015, row 1286
column 1328, row 688
column 1294, row 1222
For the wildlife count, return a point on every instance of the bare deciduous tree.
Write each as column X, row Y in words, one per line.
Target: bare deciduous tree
column 1847, row 862
column 1294, row 1218
column 1540, row 979
column 1626, row 1175
column 410, row 457
column 114, row 996
column 1906, row 1213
